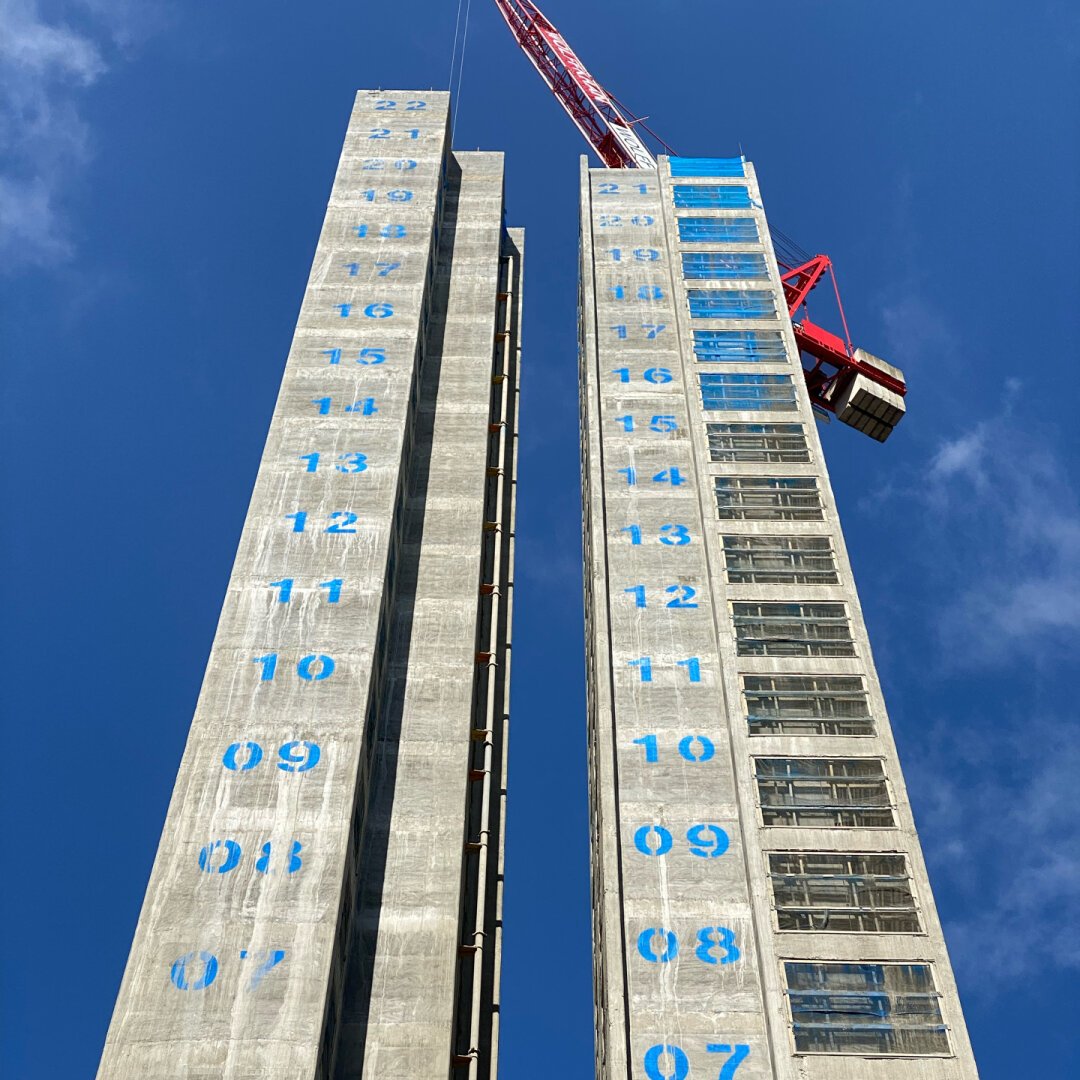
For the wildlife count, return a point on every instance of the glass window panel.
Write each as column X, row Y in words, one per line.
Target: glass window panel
column 824, row 793
column 865, row 1008
column 809, row 629
column 718, row 230
column 843, row 891
column 807, row 705
column 739, row 346
column 724, row 265
column 711, row 196
column 735, row 391
column 757, row 443
column 731, row 304
column 768, row 498
column 780, row 560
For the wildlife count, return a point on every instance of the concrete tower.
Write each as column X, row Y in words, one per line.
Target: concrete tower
column 325, row 899
column 761, row 904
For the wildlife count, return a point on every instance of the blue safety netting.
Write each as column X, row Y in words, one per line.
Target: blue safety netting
column 723, row 264
column 731, row 304
column 718, row 230
column 703, row 166
column 746, row 392
column 712, row 196
column 735, row 346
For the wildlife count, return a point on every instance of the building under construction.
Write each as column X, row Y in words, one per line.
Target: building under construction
column 761, row 906
column 760, row 903
column 326, row 899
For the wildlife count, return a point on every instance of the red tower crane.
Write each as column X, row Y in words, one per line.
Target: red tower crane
column 861, row 389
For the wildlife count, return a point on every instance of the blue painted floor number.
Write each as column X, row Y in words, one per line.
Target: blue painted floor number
column 199, row 969
column 667, row 1062
column 223, row 856
column 704, row 841
column 715, row 945
column 202, row 969
column 295, row 757
column 664, row 753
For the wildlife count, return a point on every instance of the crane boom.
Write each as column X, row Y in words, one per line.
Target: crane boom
column 587, row 103
column 860, row 388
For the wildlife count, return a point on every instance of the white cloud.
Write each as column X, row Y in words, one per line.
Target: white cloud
column 991, row 521
column 915, row 329
column 1004, row 834
column 29, row 45
column 995, row 530
column 44, row 141
column 27, row 221
column 963, row 456
column 1008, row 519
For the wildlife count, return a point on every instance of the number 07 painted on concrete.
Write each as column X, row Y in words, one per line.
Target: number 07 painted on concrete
column 663, row 1057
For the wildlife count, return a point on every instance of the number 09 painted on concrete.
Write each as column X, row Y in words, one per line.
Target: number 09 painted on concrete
column 295, row 757
column 704, row 841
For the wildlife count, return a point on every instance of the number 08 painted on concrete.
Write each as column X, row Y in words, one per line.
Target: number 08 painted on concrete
column 716, row 945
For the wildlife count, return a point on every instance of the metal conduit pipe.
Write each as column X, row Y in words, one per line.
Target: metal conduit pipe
column 480, row 909
column 482, row 841
column 509, row 605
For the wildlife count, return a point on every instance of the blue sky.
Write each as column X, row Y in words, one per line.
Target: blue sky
column 164, row 173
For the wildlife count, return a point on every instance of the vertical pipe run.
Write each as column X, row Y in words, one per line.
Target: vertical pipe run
column 492, row 651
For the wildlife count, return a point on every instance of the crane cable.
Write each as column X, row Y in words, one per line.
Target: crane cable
column 453, row 53
column 461, row 30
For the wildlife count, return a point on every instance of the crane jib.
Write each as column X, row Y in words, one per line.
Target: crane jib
column 862, row 389
column 558, row 65
column 599, row 97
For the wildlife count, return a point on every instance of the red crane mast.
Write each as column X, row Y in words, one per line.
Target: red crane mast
column 860, row 388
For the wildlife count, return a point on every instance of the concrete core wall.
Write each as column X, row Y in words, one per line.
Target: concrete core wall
column 312, row 910
column 698, row 439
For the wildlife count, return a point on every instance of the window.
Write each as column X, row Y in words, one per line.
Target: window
column 792, row 630
column 718, row 230
column 865, row 1009
column 824, row 793
column 807, row 705
column 712, row 196
column 739, row 346
column 731, row 304
column 837, row 890
column 734, row 392
column 768, row 498
column 723, row 264
column 703, row 166
column 757, row 443
column 780, row 560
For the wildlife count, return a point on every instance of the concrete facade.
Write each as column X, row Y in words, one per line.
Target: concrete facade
column 730, row 680
column 325, row 899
